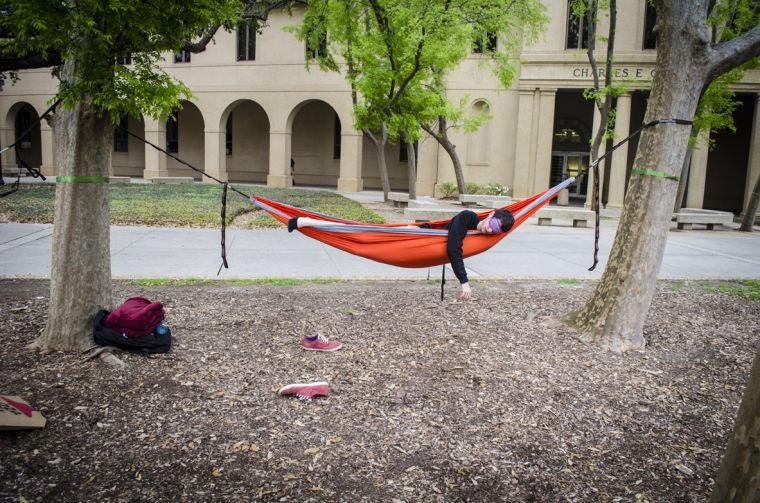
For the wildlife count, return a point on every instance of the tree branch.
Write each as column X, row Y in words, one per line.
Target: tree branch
column 256, row 10
column 200, row 45
column 732, row 53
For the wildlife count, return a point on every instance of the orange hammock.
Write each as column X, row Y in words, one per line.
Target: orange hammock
column 404, row 247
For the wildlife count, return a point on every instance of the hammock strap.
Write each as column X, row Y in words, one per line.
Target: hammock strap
column 596, row 194
column 443, row 278
column 224, row 226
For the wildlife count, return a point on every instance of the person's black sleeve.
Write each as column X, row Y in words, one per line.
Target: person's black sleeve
column 460, row 224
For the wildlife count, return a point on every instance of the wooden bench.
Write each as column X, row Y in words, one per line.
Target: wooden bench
column 579, row 216
column 687, row 217
column 400, row 199
column 469, row 200
column 172, row 179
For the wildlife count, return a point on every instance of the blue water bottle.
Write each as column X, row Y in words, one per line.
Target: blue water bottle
column 162, row 328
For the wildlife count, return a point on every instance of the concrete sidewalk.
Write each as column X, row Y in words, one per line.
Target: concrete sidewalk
column 530, row 252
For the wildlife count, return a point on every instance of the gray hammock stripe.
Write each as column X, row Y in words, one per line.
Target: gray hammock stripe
column 548, row 195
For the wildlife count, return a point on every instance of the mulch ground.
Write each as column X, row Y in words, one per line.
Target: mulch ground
column 431, row 401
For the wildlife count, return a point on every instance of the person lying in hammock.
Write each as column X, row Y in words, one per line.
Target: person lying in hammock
column 496, row 222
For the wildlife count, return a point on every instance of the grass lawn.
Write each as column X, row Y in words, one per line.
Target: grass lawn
column 193, row 205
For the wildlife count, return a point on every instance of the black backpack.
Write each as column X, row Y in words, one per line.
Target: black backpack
column 151, row 343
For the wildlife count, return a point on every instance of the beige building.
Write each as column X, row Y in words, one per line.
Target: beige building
column 258, row 115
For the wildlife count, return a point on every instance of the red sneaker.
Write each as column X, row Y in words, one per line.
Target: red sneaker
column 306, row 391
column 321, row 343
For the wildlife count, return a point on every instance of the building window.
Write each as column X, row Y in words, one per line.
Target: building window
column 490, row 44
column 336, row 138
column 403, row 155
column 577, row 29
column 650, row 18
column 246, row 41
column 23, row 122
column 120, row 136
column 313, row 52
column 182, row 56
column 172, row 135
column 124, row 60
column 228, row 136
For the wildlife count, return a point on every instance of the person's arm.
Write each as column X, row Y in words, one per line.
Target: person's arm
column 458, row 228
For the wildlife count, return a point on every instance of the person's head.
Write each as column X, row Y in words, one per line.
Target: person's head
column 497, row 222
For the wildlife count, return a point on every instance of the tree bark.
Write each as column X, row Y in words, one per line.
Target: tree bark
column 614, row 316
column 80, row 278
column 411, row 161
column 382, row 166
column 442, row 137
column 750, row 212
column 738, row 478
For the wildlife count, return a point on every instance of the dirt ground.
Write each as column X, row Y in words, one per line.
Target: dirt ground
column 431, row 401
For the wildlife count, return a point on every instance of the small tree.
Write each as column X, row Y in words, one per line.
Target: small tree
column 82, row 42
column 397, row 54
column 686, row 62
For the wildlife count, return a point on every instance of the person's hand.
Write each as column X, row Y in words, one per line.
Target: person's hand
column 466, row 292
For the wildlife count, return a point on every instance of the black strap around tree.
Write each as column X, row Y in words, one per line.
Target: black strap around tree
column 596, row 195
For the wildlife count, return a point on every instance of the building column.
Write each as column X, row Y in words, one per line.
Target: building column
column 9, row 157
column 279, row 159
column 351, row 162
column 753, row 166
column 214, row 155
column 695, row 192
column 544, row 140
column 524, row 151
column 427, row 166
column 620, row 156
column 602, row 150
column 155, row 161
column 47, row 165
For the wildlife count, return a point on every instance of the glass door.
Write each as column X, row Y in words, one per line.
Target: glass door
column 567, row 164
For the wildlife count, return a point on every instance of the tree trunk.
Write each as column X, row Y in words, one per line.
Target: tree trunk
column 603, row 107
column 411, row 161
column 739, row 474
column 750, row 212
column 382, row 166
column 614, row 316
column 684, row 181
column 80, row 278
column 442, row 137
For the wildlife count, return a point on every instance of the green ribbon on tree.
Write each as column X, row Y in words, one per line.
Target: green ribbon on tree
column 81, row 179
column 651, row 172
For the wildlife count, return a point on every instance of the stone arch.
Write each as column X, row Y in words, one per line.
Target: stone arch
column 186, row 140
column 571, row 134
column 246, row 127
column 478, row 142
column 315, row 128
column 19, row 117
column 128, row 152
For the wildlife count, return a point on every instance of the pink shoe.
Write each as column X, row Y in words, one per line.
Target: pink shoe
column 321, row 343
column 306, row 391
